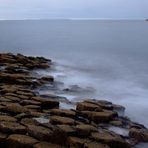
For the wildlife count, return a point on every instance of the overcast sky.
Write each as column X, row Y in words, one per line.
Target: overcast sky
column 44, row 9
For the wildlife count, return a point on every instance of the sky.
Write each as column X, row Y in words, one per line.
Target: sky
column 48, row 9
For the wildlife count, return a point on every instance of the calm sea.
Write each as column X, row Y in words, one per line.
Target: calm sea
column 110, row 57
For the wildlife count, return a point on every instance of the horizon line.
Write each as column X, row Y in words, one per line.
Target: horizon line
column 101, row 19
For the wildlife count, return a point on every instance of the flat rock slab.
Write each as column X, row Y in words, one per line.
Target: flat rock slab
column 61, row 120
column 20, row 141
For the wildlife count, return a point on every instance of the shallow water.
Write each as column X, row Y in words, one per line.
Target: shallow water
column 107, row 56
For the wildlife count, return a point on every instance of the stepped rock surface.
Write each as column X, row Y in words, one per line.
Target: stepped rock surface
column 31, row 120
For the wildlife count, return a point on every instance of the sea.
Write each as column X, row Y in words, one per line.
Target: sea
column 105, row 59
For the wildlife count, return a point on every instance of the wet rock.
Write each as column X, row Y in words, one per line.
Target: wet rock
column 12, row 127
column 84, row 106
column 46, row 145
column 110, row 138
column 63, row 112
column 20, row 141
column 39, row 132
column 85, row 130
column 61, row 120
column 140, row 135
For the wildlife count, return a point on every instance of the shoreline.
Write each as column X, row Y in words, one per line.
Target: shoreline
column 29, row 119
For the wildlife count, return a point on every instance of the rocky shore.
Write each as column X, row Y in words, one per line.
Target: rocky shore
column 31, row 120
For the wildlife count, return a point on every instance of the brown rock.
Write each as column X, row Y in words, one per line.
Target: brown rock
column 15, row 108
column 47, row 103
column 7, row 118
column 29, row 121
column 61, row 120
column 12, row 127
column 85, row 129
column 103, row 104
column 99, row 117
column 76, row 142
column 46, row 145
column 139, row 134
column 63, row 112
column 39, row 132
column 110, row 138
column 32, row 107
column 85, row 106
column 20, row 141
column 95, row 145
column 13, row 98
column 69, row 130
